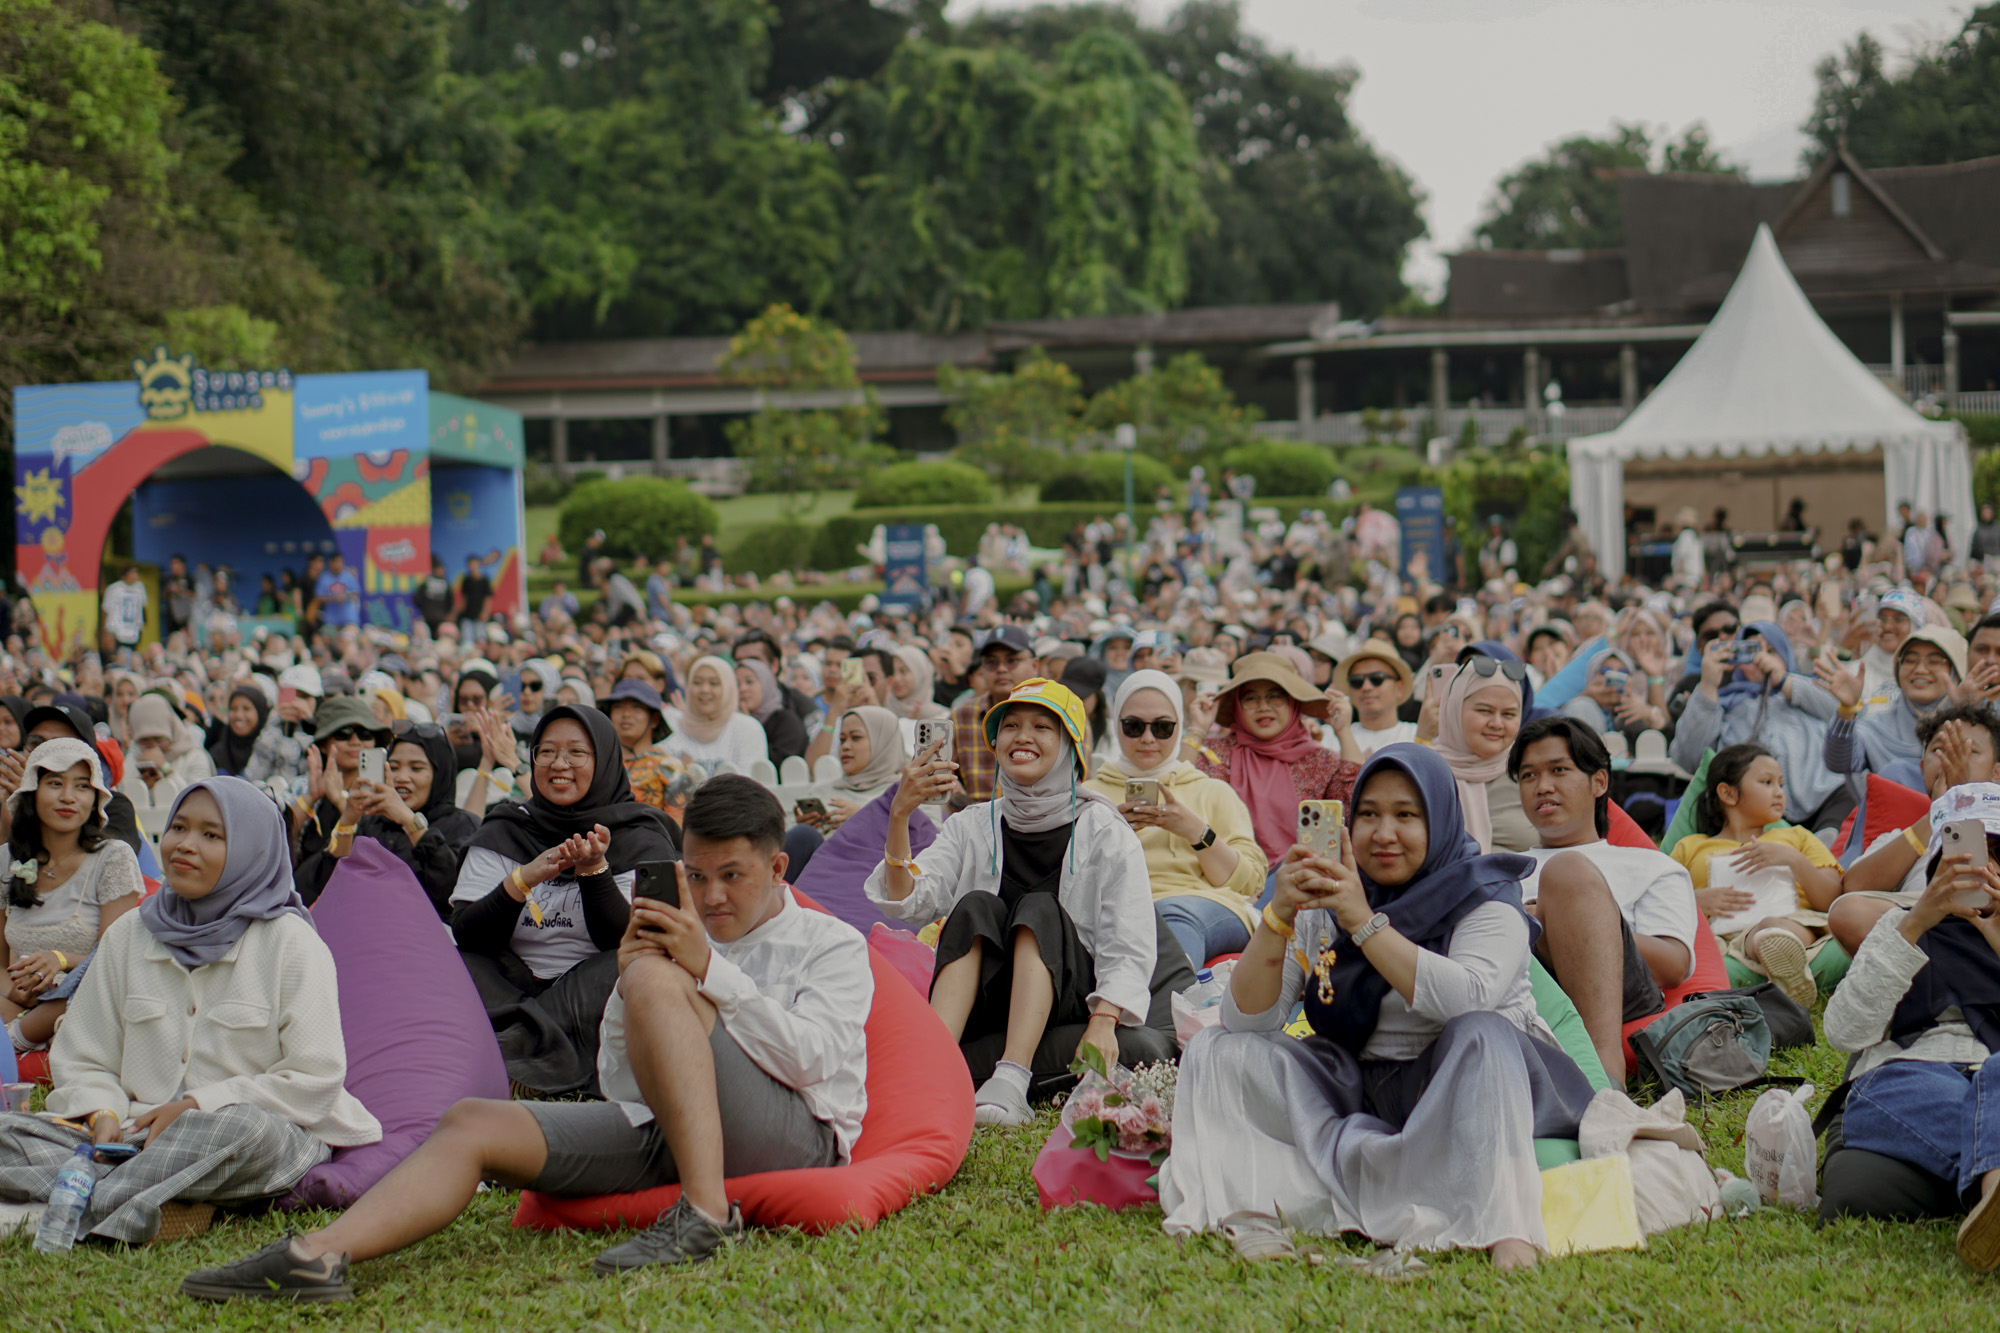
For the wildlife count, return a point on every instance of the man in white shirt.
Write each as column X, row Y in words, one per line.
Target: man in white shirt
column 125, row 609
column 734, row 1045
column 1618, row 923
column 1377, row 679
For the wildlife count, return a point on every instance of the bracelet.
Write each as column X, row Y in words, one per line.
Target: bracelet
column 1271, row 920
column 514, row 878
column 90, row 1121
column 62, row 960
column 344, row 830
column 902, row 863
column 1848, row 714
column 1910, row 836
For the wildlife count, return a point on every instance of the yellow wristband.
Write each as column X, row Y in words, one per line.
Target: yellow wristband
column 62, row 959
column 901, row 864
column 344, row 830
column 1910, row 836
column 1271, row 920
column 1848, row 713
column 90, row 1121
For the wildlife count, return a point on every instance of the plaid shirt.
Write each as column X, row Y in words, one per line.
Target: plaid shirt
column 978, row 766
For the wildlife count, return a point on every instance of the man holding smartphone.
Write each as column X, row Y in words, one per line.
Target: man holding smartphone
column 733, row 1045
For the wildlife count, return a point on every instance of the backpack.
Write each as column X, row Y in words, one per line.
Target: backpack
column 1708, row 1044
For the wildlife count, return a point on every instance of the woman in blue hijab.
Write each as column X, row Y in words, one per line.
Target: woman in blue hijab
column 1752, row 690
column 1410, row 1113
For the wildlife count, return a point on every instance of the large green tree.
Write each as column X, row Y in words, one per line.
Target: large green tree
column 1567, row 199
column 1305, row 208
column 989, row 183
column 1945, row 107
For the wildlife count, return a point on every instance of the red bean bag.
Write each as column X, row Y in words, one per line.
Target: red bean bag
column 1887, row 807
column 913, row 1137
column 1624, row 831
column 1710, row 973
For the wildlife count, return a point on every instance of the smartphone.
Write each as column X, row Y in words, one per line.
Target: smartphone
column 1144, row 791
column 852, row 671
column 1320, row 825
column 115, row 1152
column 510, row 685
column 656, row 880
column 1207, row 689
column 929, row 731
column 288, row 695
column 1617, row 680
column 811, row 806
column 374, row 761
column 1967, row 837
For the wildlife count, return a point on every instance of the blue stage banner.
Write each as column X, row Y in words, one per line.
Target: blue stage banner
column 905, row 580
column 1420, row 512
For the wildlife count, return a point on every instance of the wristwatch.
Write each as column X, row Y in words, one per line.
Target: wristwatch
column 1207, row 840
column 1375, row 923
column 420, row 824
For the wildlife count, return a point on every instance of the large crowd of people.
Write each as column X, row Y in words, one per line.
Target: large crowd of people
column 1078, row 799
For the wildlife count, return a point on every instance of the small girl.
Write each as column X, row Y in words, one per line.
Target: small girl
column 1746, row 794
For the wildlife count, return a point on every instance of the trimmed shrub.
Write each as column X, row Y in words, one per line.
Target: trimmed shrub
column 1283, row 467
column 1532, row 487
column 542, row 485
column 1100, row 478
column 943, row 483
column 639, row 515
column 766, row 549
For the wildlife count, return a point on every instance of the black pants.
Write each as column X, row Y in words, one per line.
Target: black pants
column 983, row 916
column 547, row 1027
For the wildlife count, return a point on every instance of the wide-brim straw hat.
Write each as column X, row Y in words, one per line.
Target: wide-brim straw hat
column 1275, row 669
column 1374, row 650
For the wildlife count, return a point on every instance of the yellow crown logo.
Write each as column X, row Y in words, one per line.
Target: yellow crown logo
column 165, row 384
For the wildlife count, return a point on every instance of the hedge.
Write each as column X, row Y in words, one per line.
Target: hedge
column 639, row 516
column 1100, row 479
column 846, row 597
column 767, row 548
column 1285, row 467
column 1046, row 525
column 943, row 482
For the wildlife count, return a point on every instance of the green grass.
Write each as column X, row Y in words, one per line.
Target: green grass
column 981, row 1255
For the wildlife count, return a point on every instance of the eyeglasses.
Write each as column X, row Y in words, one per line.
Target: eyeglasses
column 548, row 757
column 351, row 734
column 1373, row 678
column 1161, row 727
column 1487, row 666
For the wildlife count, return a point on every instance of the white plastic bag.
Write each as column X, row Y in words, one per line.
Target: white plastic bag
column 1779, row 1153
column 1200, row 1005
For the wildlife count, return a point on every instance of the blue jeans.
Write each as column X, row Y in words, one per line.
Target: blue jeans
column 1942, row 1118
column 1204, row 927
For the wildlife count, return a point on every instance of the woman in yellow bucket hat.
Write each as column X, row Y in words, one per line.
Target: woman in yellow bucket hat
column 1050, row 940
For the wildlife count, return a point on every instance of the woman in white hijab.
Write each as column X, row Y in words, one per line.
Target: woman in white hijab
column 1202, row 855
column 711, row 729
column 872, row 757
column 911, row 683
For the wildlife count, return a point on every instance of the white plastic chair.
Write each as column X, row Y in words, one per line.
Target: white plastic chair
column 827, row 771
column 1650, row 756
column 764, row 774
column 794, row 772
column 1614, row 744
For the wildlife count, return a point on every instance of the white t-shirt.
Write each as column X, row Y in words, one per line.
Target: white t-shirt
column 1652, row 889
column 125, row 611
column 1370, row 741
column 562, row 940
column 742, row 743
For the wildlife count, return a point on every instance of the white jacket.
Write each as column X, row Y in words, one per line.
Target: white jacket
column 1105, row 892
column 259, row 1026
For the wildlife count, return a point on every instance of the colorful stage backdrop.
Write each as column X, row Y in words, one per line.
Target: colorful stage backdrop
column 373, row 465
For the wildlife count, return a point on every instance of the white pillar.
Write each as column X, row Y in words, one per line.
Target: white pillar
column 559, row 439
column 1440, row 388
column 1950, row 369
column 1142, row 359
column 1628, row 377
column 662, row 443
column 1531, row 388
column 1896, row 339
column 1302, row 389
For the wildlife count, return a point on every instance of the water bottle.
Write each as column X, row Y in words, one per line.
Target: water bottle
column 1207, row 988
column 71, row 1195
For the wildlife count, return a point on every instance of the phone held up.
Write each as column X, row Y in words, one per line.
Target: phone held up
column 374, row 764
column 1320, row 826
column 656, row 880
column 929, row 731
column 1142, row 791
column 1967, row 837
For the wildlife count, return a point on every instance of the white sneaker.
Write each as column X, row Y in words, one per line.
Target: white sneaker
column 1000, row 1103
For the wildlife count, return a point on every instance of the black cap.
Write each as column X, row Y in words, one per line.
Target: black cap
column 1014, row 638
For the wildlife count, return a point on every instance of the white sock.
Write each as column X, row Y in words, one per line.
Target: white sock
column 1007, row 1074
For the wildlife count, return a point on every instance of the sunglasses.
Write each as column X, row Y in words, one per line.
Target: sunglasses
column 1487, row 666
column 1375, row 678
column 534, row 685
column 351, row 734
column 419, row 730
column 1161, row 727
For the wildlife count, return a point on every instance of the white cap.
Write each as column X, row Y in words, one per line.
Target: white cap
column 304, row 679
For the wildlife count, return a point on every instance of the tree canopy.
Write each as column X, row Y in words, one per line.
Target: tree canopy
column 1945, row 107
column 1567, row 199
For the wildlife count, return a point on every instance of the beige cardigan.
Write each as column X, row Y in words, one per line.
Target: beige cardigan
column 259, row 1026
column 1172, row 866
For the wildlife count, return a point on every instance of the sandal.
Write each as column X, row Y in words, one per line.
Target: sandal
column 1258, row 1236
column 1979, row 1235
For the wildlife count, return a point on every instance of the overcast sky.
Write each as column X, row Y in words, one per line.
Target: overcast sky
column 1461, row 91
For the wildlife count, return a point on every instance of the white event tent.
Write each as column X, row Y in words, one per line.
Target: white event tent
column 1768, row 377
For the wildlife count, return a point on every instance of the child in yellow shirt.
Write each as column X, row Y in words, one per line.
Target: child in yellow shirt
column 1745, row 793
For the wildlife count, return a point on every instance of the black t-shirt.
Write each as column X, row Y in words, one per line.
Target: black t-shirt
column 477, row 591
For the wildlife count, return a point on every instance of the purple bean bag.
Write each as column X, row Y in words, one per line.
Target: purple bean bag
column 417, row 1037
column 842, row 863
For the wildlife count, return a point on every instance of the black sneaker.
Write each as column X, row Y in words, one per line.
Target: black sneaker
column 273, row 1273
column 680, row 1236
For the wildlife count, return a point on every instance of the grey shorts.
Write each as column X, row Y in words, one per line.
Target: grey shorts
column 766, row 1126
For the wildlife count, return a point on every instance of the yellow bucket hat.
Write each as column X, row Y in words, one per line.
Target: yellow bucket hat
column 1044, row 693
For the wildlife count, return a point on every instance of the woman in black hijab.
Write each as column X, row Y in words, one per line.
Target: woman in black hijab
column 475, row 690
column 545, row 893
column 410, row 813
column 241, row 726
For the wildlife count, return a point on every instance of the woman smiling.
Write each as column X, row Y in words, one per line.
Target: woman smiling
column 209, row 1023
column 1475, row 717
column 410, row 813
column 710, row 729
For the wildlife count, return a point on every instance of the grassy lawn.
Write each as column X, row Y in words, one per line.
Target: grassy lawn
column 981, row 1255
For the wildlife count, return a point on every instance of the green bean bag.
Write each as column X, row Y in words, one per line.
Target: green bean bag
column 1563, row 1019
